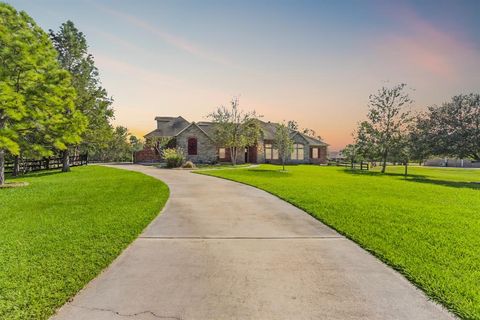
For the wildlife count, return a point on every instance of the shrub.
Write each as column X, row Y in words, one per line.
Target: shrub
column 173, row 157
column 189, row 165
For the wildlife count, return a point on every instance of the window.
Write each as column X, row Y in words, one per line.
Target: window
column 192, row 146
column 297, row 153
column 314, row 153
column 270, row 152
column 275, row 154
column 222, row 153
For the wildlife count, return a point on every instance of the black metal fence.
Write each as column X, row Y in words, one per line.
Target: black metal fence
column 28, row 165
column 352, row 165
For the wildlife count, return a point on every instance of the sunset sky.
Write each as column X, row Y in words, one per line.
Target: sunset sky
column 312, row 61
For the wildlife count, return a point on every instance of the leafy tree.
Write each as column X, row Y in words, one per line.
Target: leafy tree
column 35, row 93
column 420, row 145
column 283, row 142
column 453, row 129
column 350, row 152
column 135, row 145
column 92, row 99
column 159, row 143
column 234, row 128
column 387, row 119
column 292, row 125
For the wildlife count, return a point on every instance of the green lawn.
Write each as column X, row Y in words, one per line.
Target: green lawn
column 59, row 232
column 426, row 226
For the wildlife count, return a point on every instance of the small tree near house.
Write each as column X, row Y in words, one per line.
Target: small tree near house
column 283, row 142
column 234, row 128
column 158, row 143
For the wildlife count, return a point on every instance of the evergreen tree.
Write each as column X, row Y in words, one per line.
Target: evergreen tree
column 92, row 99
column 35, row 93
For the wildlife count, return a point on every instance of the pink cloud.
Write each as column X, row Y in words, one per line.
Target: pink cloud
column 174, row 40
column 426, row 46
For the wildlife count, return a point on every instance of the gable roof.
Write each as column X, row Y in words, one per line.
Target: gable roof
column 168, row 126
column 310, row 140
column 196, row 125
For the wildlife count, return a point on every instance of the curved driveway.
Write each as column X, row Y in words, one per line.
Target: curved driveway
column 223, row 250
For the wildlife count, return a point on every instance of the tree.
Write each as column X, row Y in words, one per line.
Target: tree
column 292, row 125
column 350, row 152
column 34, row 90
column 135, row 145
column 234, row 128
column 159, row 143
column 92, row 99
column 283, row 142
column 387, row 119
column 453, row 129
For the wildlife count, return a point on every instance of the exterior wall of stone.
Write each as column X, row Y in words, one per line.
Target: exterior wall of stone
column 206, row 149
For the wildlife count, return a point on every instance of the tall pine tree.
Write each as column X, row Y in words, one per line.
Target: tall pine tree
column 92, row 99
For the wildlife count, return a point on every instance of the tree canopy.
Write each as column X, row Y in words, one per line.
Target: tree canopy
column 37, row 111
column 234, row 128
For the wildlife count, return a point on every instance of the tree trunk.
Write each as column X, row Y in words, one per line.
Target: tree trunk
column 406, row 168
column 384, row 161
column 233, row 154
column 16, row 166
column 65, row 161
column 2, row 167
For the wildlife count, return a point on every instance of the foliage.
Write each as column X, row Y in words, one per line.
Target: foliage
column 417, row 225
column 453, row 129
column 37, row 112
column 292, row 125
column 92, row 99
column 283, row 143
column 351, row 154
column 118, row 148
column 66, row 229
column 173, row 157
column 159, row 143
column 387, row 121
column 234, row 128
column 135, row 145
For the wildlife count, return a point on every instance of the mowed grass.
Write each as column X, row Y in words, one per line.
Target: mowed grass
column 426, row 226
column 59, row 232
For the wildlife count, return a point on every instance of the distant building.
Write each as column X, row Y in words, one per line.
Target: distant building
column 452, row 162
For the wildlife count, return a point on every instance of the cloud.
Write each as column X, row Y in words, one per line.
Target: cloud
column 425, row 46
column 167, row 37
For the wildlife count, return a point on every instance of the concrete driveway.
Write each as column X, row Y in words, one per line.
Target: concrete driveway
column 223, row 250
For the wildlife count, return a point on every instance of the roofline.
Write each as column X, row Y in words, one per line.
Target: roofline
column 159, row 117
column 194, row 124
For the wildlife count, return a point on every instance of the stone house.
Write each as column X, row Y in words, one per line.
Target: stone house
column 196, row 141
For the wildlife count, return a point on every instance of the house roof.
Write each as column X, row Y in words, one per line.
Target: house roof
column 168, row 126
column 312, row 141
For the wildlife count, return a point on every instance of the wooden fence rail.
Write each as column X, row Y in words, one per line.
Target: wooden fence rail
column 352, row 165
column 29, row 165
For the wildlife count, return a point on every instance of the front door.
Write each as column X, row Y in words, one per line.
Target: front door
column 251, row 154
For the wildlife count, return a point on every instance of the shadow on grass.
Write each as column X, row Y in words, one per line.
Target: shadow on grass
column 278, row 173
column 418, row 178
column 34, row 174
